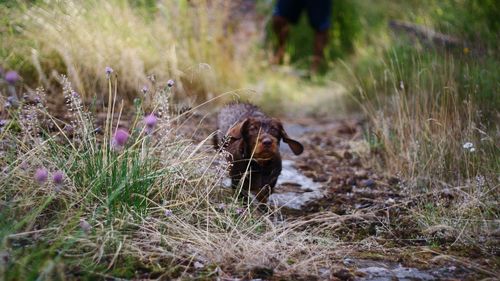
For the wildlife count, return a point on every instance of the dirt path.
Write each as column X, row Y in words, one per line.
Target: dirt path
column 334, row 175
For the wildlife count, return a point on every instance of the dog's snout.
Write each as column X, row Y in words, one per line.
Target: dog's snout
column 267, row 141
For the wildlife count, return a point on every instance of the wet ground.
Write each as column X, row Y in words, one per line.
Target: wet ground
column 335, row 174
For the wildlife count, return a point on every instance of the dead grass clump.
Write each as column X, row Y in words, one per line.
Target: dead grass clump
column 182, row 40
column 134, row 201
column 437, row 141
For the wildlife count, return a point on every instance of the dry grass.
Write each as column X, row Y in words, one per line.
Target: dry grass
column 177, row 227
column 181, row 224
column 199, row 44
column 188, row 41
column 421, row 127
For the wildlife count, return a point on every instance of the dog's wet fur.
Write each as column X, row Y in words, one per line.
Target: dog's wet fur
column 252, row 140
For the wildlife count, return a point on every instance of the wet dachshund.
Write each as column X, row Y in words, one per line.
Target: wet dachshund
column 252, row 140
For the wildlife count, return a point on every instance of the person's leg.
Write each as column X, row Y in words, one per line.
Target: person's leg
column 320, row 42
column 285, row 12
column 282, row 29
column 319, row 13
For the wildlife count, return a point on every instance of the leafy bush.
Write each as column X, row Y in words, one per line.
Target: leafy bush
column 475, row 20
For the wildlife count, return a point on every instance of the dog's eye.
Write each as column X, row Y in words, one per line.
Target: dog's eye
column 273, row 131
column 253, row 128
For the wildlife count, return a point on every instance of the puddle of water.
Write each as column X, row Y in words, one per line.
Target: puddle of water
column 293, row 189
column 304, row 188
column 296, row 130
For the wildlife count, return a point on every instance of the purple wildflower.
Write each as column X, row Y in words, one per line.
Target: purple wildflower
column 69, row 129
column 170, row 83
column 240, row 211
column 58, row 177
column 168, row 213
column 120, row 138
column 3, row 122
column 12, row 101
column 150, row 122
column 109, row 70
column 41, row 175
column 144, row 90
column 11, row 77
column 221, row 207
column 37, row 99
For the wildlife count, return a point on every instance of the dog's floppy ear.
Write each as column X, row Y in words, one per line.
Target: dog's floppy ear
column 236, row 131
column 294, row 145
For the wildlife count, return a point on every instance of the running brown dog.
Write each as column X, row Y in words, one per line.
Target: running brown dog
column 252, row 139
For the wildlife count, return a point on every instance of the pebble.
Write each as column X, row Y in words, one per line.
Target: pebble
column 198, row 265
column 390, row 201
column 368, row 183
column 361, row 173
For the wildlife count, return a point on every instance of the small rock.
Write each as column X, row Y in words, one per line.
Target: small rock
column 343, row 274
column 355, row 162
column 321, row 178
column 393, row 181
column 362, row 205
column 335, row 154
column 347, row 155
column 448, row 193
column 361, row 173
column 351, row 181
column 347, row 128
column 324, row 272
column 344, row 188
column 348, row 262
column 262, row 272
column 441, row 232
column 376, row 273
column 198, row 265
column 368, row 183
column 405, row 273
column 390, row 201
column 85, row 226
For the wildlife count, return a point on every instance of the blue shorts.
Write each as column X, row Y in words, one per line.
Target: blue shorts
column 318, row 11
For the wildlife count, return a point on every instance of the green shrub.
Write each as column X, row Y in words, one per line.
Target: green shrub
column 475, row 20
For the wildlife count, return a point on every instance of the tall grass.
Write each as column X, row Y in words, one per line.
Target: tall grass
column 196, row 43
column 147, row 206
column 429, row 127
column 188, row 41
